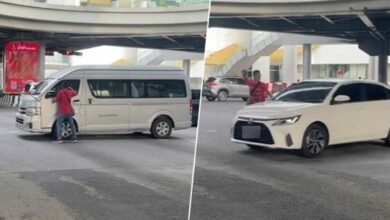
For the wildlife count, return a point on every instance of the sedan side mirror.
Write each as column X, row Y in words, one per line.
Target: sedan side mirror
column 341, row 99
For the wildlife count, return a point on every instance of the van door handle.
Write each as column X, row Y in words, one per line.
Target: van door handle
column 90, row 101
column 76, row 100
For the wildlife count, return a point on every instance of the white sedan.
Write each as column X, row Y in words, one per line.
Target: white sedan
column 314, row 114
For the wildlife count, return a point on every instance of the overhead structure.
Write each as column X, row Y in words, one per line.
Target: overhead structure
column 366, row 23
column 69, row 28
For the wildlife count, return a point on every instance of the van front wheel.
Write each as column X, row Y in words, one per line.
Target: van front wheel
column 161, row 128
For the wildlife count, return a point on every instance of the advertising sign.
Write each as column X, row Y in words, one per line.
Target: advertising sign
column 21, row 65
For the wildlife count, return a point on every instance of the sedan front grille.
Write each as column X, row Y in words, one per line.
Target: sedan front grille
column 265, row 135
column 19, row 120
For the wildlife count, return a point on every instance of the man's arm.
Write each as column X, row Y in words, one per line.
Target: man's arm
column 73, row 93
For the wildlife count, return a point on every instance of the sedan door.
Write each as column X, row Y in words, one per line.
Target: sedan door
column 346, row 120
column 377, row 107
column 242, row 88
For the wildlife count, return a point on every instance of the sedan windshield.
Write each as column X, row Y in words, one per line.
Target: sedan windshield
column 312, row 92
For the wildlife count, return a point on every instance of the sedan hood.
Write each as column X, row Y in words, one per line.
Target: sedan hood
column 274, row 109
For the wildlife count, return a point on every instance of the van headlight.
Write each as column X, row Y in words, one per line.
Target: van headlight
column 287, row 121
column 33, row 111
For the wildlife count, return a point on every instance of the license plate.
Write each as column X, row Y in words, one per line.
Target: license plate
column 251, row 132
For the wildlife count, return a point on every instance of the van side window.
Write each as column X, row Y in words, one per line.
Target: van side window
column 158, row 89
column 109, row 88
column 138, row 88
column 166, row 89
column 74, row 83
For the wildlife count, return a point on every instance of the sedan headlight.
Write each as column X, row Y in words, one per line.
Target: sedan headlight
column 32, row 111
column 287, row 121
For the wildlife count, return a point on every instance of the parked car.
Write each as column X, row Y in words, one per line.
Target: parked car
column 111, row 100
column 195, row 106
column 314, row 114
column 222, row 88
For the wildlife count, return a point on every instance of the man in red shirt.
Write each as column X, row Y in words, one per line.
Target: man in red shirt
column 258, row 91
column 65, row 111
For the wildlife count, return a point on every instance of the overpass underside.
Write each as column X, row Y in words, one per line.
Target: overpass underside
column 63, row 28
column 366, row 23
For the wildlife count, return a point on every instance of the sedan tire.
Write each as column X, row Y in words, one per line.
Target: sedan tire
column 222, row 96
column 387, row 140
column 315, row 140
column 210, row 98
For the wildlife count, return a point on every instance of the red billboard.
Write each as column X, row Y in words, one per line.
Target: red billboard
column 21, row 65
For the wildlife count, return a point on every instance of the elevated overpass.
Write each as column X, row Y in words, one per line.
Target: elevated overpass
column 366, row 23
column 73, row 28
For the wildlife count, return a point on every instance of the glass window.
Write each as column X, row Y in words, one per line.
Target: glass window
column 376, row 92
column 74, row 83
column 353, row 91
column 312, row 92
column 211, row 79
column 166, row 89
column 109, row 88
column 239, row 81
column 138, row 88
column 228, row 81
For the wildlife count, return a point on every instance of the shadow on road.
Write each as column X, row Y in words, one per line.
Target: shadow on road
column 334, row 152
column 37, row 137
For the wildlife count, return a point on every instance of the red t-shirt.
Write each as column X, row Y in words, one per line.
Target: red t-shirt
column 260, row 93
column 64, row 98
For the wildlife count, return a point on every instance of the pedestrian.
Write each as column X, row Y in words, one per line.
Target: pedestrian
column 65, row 111
column 258, row 90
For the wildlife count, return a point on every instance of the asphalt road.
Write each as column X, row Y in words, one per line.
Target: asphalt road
column 101, row 177
column 349, row 181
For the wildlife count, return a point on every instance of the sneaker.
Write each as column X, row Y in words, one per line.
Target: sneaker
column 57, row 142
column 74, row 141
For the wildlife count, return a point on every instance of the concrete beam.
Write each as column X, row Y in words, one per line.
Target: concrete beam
column 22, row 15
column 269, row 8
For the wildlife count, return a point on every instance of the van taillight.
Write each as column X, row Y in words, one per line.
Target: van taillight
column 211, row 84
column 191, row 107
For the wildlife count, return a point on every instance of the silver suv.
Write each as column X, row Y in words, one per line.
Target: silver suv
column 222, row 88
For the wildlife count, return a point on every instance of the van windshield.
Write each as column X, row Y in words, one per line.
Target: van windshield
column 38, row 89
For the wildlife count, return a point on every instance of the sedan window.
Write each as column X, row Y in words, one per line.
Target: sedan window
column 353, row 91
column 376, row 92
column 312, row 92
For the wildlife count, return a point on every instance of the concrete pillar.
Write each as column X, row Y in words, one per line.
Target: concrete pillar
column 383, row 61
column 187, row 67
column 373, row 68
column 306, row 61
column 130, row 54
column 42, row 52
column 289, row 68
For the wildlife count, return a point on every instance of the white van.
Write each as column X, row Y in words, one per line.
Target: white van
column 112, row 100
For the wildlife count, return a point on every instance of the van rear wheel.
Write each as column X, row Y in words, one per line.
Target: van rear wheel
column 161, row 128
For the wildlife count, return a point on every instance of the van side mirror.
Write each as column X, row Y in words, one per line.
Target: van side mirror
column 341, row 99
column 50, row 94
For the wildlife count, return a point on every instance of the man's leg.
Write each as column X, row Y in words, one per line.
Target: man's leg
column 72, row 126
column 60, row 120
